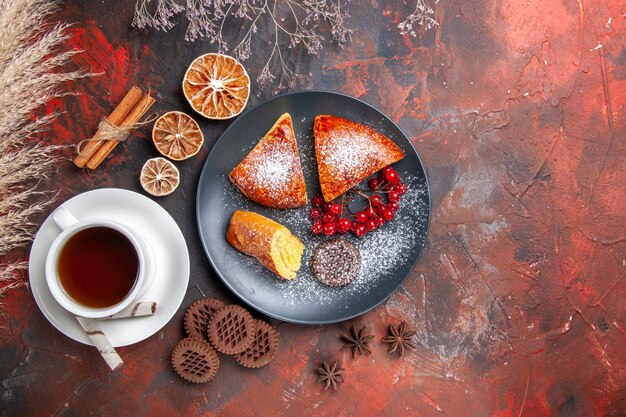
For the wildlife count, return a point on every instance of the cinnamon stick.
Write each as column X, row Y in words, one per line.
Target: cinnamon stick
column 116, row 117
column 133, row 117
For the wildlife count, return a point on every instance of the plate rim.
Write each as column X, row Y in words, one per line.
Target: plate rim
column 204, row 240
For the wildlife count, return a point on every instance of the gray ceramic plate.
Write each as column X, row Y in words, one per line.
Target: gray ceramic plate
column 305, row 300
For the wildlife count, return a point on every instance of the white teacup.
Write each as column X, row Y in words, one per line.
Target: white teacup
column 71, row 227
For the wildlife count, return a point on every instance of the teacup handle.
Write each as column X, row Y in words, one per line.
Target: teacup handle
column 63, row 218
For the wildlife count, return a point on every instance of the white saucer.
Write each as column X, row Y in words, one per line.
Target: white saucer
column 171, row 274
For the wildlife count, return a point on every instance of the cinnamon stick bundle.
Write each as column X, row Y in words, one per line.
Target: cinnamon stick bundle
column 131, row 109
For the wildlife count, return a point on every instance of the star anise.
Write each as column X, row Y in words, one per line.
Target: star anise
column 330, row 374
column 357, row 341
column 399, row 338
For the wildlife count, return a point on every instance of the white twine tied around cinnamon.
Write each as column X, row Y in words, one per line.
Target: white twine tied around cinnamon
column 108, row 131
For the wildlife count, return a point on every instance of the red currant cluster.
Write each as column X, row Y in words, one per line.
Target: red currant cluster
column 331, row 218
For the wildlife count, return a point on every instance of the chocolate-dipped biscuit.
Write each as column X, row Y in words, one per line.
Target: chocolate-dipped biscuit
column 231, row 330
column 263, row 348
column 336, row 262
column 195, row 360
column 198, row 315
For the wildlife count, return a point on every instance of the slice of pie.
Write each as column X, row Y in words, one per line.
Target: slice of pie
column 348, row 152
column 271, row 174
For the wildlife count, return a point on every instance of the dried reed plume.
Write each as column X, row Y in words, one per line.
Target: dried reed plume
column 30, row 75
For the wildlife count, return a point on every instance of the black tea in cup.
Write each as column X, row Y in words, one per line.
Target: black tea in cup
column 98, row 266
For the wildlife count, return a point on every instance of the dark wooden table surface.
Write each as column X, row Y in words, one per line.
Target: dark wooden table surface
column 516, row 109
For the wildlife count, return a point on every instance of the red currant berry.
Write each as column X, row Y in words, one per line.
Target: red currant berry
column 370, row 211
column 379, row 221
column 315, row 213
column 359, row 230
column 317, row 201
column 386, row 169
column 393, row 196
column 376, row 200
column 330, row 229
column 388, row 214
column 361, row 216
column 393, row 206
column 317, row 228
column 402, row 188
column 344, row 225
column 370, row 225
column 327, row 206
column 381, row 178
column 328, row 218
column 392, row 176
column 335, row 209
column 373, row 183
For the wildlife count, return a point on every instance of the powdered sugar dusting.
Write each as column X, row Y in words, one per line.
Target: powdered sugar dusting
column 383, row 252
column 272, row 169
column 349, row 152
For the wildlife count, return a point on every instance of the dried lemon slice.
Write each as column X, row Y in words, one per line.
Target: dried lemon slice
column 159, row 176
column 217, row 86
column 177, row 136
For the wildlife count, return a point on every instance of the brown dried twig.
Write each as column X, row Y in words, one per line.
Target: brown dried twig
column 290, row 22
column 423, row 17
